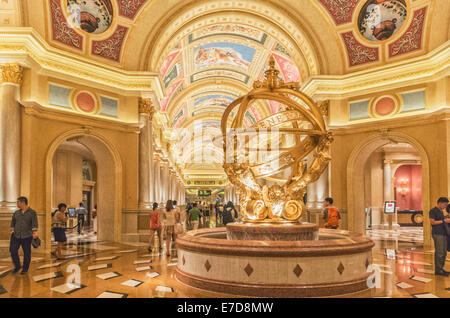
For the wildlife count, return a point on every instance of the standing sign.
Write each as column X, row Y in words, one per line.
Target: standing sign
column 389, row 207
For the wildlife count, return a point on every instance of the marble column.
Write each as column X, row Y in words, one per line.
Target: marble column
column 156, row 181
column 10, row 135
column 387, row 175
column 146, row 111
column 165, row 182
column 321, row 189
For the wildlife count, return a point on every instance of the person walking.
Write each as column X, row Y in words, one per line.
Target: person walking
column 439, row 235
column 170, row 217
column 331, row 215
column 24, row 228
column 230, row 213
column 59, row 220
column 155, row 226
column 81, row 212
column 95, row 218
column 194, row 215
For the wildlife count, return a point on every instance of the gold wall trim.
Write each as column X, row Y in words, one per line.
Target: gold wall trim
column 27, row 47
column 418, row 119
column 75, row 118
column 422, row 69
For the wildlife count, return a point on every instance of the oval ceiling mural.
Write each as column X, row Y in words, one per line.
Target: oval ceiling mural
column 378, row 20
column 92, row 16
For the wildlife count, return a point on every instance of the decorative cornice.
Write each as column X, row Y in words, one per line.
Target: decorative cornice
column 418, row 70
column 26, row 46
column 87, row 122
column 12, row 73
column 146, row 107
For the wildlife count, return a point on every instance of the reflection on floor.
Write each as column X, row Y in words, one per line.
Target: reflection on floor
column 107, row 269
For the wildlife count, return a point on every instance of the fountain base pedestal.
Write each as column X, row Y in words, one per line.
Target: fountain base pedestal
column 272, row 232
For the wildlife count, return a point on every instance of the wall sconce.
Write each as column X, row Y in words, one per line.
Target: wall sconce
column 403, row 189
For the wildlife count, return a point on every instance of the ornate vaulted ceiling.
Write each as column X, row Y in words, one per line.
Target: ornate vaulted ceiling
column 207, row 53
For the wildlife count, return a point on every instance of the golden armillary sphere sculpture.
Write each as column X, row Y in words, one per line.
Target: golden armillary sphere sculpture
column 267, row 161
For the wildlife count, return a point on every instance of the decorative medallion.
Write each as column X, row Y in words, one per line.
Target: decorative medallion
column 92, row 16
column 248, row 269
column 85, row 102
column 111, row 47
column 358, row 53
column 385, row 106
column 298, row 270
column 129, row 8
column 62, row 31
column 340, row 10
column 378, row 20
column 412, row 38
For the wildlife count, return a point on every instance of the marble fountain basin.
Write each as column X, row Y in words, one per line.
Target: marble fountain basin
column 332, row 263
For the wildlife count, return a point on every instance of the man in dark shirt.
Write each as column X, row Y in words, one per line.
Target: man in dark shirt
column 439, row 235
column 24, row 226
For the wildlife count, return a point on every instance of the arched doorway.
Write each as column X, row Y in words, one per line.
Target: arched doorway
column 356, row 170
column 108, row 185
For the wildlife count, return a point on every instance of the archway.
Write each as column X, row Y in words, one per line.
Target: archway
column 109, row 182
column 355, row 179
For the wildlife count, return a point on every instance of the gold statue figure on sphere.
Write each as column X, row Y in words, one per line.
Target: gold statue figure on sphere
column 267, row 161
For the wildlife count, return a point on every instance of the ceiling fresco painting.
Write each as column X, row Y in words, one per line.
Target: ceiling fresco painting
column 379, row 20
column 223, row 53
column 384, row 28
column 92, row 16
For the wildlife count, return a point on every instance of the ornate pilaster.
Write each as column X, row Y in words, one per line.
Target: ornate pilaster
column 146, row 107
column 12, row 73
column 146, row 171
column 324, row 107
column 10, row 131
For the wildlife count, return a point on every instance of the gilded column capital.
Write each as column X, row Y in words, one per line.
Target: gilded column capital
column 324, row 107
column 12, row 73
column 146, row 107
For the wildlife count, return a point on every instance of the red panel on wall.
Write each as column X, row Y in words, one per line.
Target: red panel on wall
column 340, row 10
column 111, row 47
column 62, row 31
column 357, row 52
column 129, row 8
column 411, row 40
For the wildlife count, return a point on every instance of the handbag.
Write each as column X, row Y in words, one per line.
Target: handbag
column 178, row 228
column 36, row 242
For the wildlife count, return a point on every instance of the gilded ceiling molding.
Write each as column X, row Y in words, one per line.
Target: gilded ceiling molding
column 21, row 44
column 412, row 39
column 146, row 107
column 418, row 70
column 12, row 73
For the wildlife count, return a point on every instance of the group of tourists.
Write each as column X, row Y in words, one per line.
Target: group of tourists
column 168, row 223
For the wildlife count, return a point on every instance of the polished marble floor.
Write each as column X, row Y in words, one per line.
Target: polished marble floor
column 402, row 269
